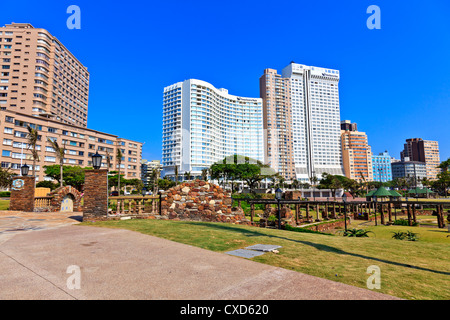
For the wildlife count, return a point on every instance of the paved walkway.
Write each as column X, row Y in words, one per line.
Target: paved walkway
column 121, row 264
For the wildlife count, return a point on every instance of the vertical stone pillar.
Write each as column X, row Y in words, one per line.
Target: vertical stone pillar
column 22, row 194
column 95, row 194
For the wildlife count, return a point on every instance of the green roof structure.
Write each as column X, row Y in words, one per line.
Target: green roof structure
column 394, row 193
column 382, row 192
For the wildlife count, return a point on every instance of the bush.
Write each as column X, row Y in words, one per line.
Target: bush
column 359, row 233
column 5, row 194
column 404, row 222
column 408, row 235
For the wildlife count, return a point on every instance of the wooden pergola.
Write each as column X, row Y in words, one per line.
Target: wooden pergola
column 331, row 209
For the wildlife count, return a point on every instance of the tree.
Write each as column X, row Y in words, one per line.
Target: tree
column 60, row 153
column 46, row 184
column 445, row 165
column 33, row 137
column 72, row 175
column 6, row 178
column 176, row 174
column 119, row 163
column 331, row 182
column 205, row 174
column 187, row 175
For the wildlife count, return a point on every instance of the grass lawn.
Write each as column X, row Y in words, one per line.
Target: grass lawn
column 4, row 205
column 410, row 270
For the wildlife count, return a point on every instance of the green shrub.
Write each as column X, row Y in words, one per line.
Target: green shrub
column 404, row 222
column 408, row 235
column 359, row 233
column 5, row 194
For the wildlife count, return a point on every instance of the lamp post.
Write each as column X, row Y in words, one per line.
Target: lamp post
column 278, row 196
column 24, row 170
column 97, row 161
column 375, row 211
column 344, row 199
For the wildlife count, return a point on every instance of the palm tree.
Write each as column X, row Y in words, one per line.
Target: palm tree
column 33, row 137
column 119, row 163
column 176, row 174
column 60, row 153
column 108, row 160
column 155, row 177
column 187, row 175
column 205, row 174
column 445, row 165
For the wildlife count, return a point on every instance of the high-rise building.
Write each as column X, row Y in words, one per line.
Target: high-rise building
column 311, row 100
column 417, row 149
column 414, row 171
column 203, row 124
column 279, row 150
column 356, row 153
column 146, row 170
column 382, row 167
column 39, row 76
column 44, row 87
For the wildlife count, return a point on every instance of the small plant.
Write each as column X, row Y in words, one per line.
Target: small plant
column 411, row 236
column 404, row 222
column 399, row 235
column 359, row 233
column 272, row 218
column 408, row 235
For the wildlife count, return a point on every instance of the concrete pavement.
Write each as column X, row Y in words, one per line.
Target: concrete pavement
column 121, row 264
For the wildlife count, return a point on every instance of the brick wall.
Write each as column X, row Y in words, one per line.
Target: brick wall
column 95, row 194
column 22, row 194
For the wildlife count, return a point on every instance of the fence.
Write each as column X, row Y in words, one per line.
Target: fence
column 135, row 205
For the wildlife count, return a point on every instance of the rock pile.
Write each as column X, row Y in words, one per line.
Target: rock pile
column 200, row 201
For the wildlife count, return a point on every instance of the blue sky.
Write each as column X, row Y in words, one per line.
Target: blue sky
column 394, row 81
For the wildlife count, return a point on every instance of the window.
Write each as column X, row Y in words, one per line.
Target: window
column 52, row 130
column 6, row 153
column 8, row 130
column 50, row 159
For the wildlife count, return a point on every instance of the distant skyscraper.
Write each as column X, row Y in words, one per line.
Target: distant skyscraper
column 414, row 171
column 417, row 149
column 382, row 167
column 356, row 153
column 203, row 124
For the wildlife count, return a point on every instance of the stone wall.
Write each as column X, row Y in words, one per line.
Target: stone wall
column 22, row 194
column 200, row 201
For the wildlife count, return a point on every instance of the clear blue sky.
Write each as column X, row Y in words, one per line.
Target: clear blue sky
column 395, row 82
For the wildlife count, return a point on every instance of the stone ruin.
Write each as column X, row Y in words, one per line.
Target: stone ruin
column 200, row 201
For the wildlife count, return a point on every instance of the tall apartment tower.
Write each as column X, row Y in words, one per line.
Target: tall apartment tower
column 313, row 104
column 279, row 151
column 40, row 77
column 356, row 153
column 417, row 149
column 203, row 125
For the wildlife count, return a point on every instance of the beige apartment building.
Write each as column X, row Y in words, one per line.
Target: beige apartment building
column 277, row 118
column 80, row 144
column 40, row 77
column 356, row 153
column 427, row 151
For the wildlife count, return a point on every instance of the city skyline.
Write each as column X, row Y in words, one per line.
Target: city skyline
column 400, row 105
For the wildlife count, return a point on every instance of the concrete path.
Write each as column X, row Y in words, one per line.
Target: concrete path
column 121, row 264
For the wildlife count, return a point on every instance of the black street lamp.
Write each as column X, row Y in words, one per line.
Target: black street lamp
column 97, row 161
column 375, row 211
column 278, row 196
column 24, row 170
column 344, row 199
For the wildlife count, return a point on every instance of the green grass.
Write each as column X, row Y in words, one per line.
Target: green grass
column 410, row 270
column 4, row 205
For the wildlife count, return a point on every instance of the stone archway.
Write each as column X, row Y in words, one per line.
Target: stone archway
column 66, row 199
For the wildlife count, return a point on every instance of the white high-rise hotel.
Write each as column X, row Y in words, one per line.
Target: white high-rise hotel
column 203, row 124
column 294, row 127
column 314, row 95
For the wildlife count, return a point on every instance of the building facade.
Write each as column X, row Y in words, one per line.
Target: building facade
column 279, row 150
column 414, row 171
column 314, row 119
column 417, row 149
column 80, row 144
column 147, row 168
column 356, row 153
column 40, row 77
column 203, row 124
column 382, row 167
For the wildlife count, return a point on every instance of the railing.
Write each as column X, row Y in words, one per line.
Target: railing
column 132, row 205
column 42, row 202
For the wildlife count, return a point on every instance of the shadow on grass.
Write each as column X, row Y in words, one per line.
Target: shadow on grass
column 322, row 247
